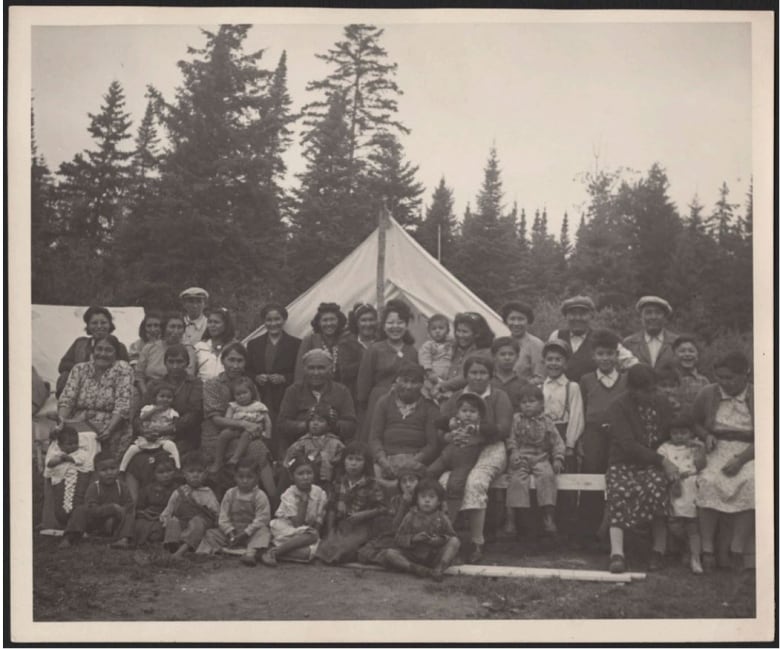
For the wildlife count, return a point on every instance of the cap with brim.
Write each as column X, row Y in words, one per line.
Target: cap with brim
column 578, row 302
column 194, row 291
column 653, row 299
column 557, row 344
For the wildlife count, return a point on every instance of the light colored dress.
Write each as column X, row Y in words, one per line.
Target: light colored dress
column 682, row 456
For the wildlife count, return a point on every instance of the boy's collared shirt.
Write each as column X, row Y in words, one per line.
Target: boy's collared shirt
column 607, row 380
column 563, row 403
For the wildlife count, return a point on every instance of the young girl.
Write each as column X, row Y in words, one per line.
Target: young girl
column 670, row 386
column 243, row 518
column 192, row 509
column 295, row 528
column 688, row 454
column 157, row 420
column 435, row 356
column 426, row 544
column 152, row 500
column 385, row 526
column 356, row 500
column 505, row 351
column 464, row 445
column 320, row 444
column 535, row 448
column 149, row 330
column 252, row 421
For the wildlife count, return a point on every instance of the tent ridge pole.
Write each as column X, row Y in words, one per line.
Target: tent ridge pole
column 380, row 256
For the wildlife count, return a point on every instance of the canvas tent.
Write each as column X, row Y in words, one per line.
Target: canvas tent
column 410, row 274
column 54, row 328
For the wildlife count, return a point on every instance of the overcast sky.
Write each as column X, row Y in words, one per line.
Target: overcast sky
column 549, row 96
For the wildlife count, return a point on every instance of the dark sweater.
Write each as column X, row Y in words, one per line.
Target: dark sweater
column 391, row 434
column 597, row 398
column 581, row 362
column 626, row 430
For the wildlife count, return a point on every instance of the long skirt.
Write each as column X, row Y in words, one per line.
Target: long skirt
column 636, row 494
column 729, row 494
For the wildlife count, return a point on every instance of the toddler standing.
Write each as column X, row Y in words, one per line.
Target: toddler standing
column 535, row 448
column 426, row 543
column 68, row 467
column 319, row 444
column 464, row 444
column 191, row 509
column 252, row 421
column 152, row 500
column 157, row 421
column 435, row 356
column 243, row 517
column 689, row 456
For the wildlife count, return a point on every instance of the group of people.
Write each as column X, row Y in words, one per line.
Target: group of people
column 357, row 443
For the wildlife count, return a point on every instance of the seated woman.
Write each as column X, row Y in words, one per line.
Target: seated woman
column 316, row 386
column 151, row 359
column 327, row 330
column 187, row 402
column 724, row 418
column 97, row 396
column 220, row 331
column 494, row 428
column 217, row 395
column 100, row 324
column 638, row 476
column 403, row 428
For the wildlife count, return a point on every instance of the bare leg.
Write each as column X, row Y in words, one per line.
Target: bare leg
column 708, row 523
column 616, row 540
column 477, row 529
column 298, row 541
column 395, row 560
column 659, row 534
column 223, row 439
column 694, row 545
column 241, row 447
column 448, row 555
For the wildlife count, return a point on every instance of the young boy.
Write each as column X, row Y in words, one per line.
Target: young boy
column 320, row 444
column 426, row 544
column 562, row 398
column 191, row 509
column 152, row 500
column 244, row 516
column 599, row 389
column 462, row 451
column 436, row 356
column 108, row 507
column 535, row 448
column 505, row 352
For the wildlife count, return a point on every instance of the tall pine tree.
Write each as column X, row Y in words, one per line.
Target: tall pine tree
column 439, row 224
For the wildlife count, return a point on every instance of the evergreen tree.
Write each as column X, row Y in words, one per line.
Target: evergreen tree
column 720, row 223
column 522, row 233
column 145, row 163
column 439, row 219
column 565, row 242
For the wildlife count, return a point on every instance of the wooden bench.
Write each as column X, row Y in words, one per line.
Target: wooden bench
column 566, row 482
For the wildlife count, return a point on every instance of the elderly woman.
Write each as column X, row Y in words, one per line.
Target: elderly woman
column 271, row 362
column 638, row 477
column 316, row 386
column 473, row 335
column 97, row 396
column 517, row 316
column 362, row 323
column 494, row 429
column 382, row 360
column 403, row 428
column 327, row 329
column 724, row 420
column 217, row 395
column 151, row 360
column 653, row 345
column 686, row 362
column 220, row 331
column 100, row 324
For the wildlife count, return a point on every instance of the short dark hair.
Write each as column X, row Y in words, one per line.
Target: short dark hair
column 504, row 341
column 439, row 317
column 530, row 391
column 227, row 319
column 234, row 346
column 95, row 310
column 273, row 306
column 735, row 361
column 67, row 431
column 483, row 334
column 473, row 400
column 102, row 458
column 246, row 382
column 164, row 462
column 641, row 377
column 194, row 460
column 156, row 387
column 149, row 315
column 520, row 307
column 604, row 339
column 430, row 484
column 412, row 371
column 357, row 312
column 177, row 350
column 247, row 463
column 403, row 311
column 329, row 307
column 112, row 340
column 685, row 338
column 667, row 374
column 358, row 448
column 477, row 358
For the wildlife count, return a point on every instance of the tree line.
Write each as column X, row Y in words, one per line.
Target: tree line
column 197, row 195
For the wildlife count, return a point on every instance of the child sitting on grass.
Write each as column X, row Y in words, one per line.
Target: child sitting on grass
column 689, row 456
column 436, row 357
column 320, row 444
column 108, row 507
column 152, row 500
column 535, row 449
column 243, row 517
column 192, row 509
column 426, row 544
column 464, row 444
column 252, row 421
column 157, row 422
column 295, row 528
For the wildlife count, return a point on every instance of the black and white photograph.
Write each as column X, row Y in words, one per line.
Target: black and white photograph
column 454, row 318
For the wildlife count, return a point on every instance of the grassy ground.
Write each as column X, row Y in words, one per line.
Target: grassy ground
column 93, row 582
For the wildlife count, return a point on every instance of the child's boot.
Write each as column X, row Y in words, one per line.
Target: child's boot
column 249, row 558
column 696, row 567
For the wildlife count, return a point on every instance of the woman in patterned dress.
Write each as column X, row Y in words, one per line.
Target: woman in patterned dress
column 638, row 477
column 97, row 396
column 382, row 361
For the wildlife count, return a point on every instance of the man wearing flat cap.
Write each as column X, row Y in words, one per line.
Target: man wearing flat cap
column 193, row 301
column 653, row 345
column 578, row 311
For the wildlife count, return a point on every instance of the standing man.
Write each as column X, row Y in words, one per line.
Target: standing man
column 653, row 345
column 578, row 312
column 193, row 301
